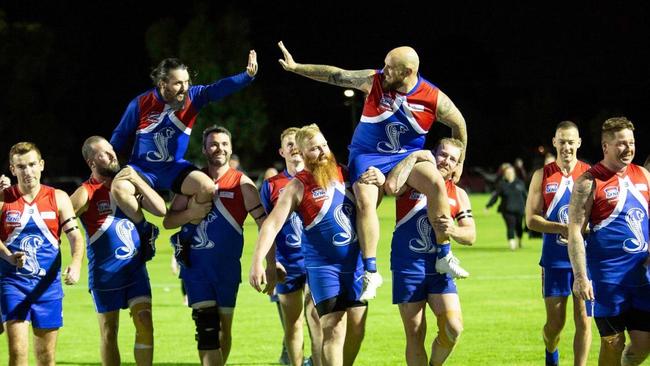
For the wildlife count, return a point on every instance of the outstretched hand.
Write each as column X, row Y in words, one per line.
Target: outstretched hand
column 287, row 62
column 251, row 68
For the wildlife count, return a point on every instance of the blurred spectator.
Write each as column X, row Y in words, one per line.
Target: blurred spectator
column 512, row 192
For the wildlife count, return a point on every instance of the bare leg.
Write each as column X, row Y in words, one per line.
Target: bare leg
column 426, row 179
column 555, row 319
column 291, row 304
column 582, row 338
column 143, row 347
column 201, row 186
column 366, row 196
column 334, row 327
column 315, row 331
column 356, row 330
column 637, row 351
column 108, row 327
column 211, row 357
column 415, row 329
column 18, row 338
column 446, row 307
column 124, row 193
column 611, row 349
column 225, row 335
column 45, row 346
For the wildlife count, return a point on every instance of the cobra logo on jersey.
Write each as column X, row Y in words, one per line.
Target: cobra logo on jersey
column 294, row 240
column 342, row 215
column 562, row 217
column 30, row 245
column 393, row 145
column 201, row 239
column 423, row 244
column 124, row 230
column 161, row 154
column 635, row 219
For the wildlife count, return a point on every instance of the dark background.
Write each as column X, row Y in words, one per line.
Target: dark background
column 69, row 69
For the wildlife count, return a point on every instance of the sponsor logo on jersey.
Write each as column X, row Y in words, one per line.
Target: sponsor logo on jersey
column 611, row 193
column 13, row 218
column 414, row 107
column 551, row 187
column 104, row 207
column 226, row 194
column 319, row 194
column 386, row 102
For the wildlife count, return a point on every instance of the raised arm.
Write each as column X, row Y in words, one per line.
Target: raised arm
column 582, row 199
column 287, row 203
column 71, row 229
column 535, row 209
column 357, row 79
column 449, row 115
column 124, row 133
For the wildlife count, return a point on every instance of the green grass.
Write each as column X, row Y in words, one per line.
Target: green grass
column 502, row 308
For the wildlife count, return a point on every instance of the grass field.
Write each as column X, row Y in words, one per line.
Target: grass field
column 502, row 308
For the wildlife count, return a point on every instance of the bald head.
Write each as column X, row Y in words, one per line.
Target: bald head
column 405, row 57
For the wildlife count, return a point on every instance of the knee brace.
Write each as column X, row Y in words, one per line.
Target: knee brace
column 143, row 329
column 207, row 328
column 447, row 335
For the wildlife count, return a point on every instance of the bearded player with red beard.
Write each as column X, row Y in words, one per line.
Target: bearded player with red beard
column 322, row 197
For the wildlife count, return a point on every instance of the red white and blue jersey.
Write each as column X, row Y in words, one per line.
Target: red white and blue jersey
column 112, row 241
column 288, row 242
column 393, row 122
column 33, row 228
column 617, row 247
column 329, row 218
column 413, row 248
column 162, row 134
column 556, row 192
column 218, row 241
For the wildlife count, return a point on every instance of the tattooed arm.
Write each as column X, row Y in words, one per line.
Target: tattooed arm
column 357, row 79
column 449, row 115
column 396, row 182
column 582, row 199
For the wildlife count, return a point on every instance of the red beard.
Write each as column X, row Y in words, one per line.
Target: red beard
column 325, row 171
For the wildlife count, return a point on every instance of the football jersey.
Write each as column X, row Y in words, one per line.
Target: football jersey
column 289, row 240
column 393, row 122
column 413, row 248
column 162, row 134
column 33, row 228
column 556, row 193
column 218, row 241
column 617, row 247
column 328, row 217
column 112, row 240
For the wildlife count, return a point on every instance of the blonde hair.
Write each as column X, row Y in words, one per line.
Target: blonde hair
column 452, row 141
column 287, row 132
column 87, row 150
column 306, row 133
column 23, row 148
column 613, row 125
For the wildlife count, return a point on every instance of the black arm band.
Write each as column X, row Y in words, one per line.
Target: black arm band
column 68, row 220
column 464, row 215
column 256, row 207
column 71, row 229
column 260, row 216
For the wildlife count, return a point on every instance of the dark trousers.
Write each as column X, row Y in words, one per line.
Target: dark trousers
column 513, row 224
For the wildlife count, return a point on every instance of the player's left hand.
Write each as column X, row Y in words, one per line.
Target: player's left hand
column 72, row 274
column 251, row 68
column 127, row 173
column 445, row 224
column 257, row 276
column 4, row 182
column 456, row 174
column 271, row 279
column 373, row 176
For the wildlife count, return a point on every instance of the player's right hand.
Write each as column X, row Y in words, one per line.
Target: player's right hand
column 373, row 176
column 287, row 63
column 197, row 210
column 582, row 288
column 17, row 259
column 257, row 277
column 4, row 182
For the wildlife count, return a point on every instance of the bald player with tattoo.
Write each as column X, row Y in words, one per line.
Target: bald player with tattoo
column 400, row 108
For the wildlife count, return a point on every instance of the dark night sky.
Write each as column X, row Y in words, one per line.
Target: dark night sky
column 514, row 71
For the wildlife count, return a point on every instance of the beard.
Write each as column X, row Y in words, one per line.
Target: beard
column 325, row 170
column 110, row 170
column 392, row 85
